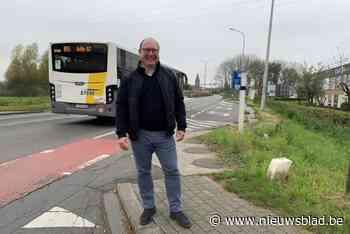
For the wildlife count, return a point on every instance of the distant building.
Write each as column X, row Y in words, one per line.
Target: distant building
column 334, row 94
column 197, row 82
column 271, row 89
column 285, row 89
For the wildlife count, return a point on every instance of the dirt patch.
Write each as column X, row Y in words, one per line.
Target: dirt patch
column 270, row 117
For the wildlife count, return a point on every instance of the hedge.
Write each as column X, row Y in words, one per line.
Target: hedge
column 334, row 122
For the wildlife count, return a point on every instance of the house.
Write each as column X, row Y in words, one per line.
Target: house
column 334, row 94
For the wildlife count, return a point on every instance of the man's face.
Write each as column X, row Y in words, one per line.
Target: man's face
column 149, row 53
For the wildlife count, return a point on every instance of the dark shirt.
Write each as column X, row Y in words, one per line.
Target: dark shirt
column 152, row 108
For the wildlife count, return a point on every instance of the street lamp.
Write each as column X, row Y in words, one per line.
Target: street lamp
column 243, row 42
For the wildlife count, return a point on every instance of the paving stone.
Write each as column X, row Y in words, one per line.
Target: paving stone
column 202, row 197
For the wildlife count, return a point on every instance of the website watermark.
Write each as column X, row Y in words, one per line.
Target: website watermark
column 216, row 219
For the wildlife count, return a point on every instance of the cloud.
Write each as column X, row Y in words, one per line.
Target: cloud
column 188, row 32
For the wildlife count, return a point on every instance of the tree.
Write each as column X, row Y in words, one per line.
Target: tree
column 2, row 88
column 310, row 84
column 345, row 87
column 275, row 69
column 256, row 72
column 21, row 74
column 343, row 83
column 223, row 74
column 14, row 72
column 43, row 74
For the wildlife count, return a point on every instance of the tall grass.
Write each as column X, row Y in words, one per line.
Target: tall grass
column 316, row 183
column 24, row 103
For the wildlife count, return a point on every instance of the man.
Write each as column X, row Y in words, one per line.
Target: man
column 149, row 104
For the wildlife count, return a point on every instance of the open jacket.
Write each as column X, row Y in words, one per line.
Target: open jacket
column 127, row 115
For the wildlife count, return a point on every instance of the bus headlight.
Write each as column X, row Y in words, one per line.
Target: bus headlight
column 100, row 109
column 110, row 94
column 52, row 92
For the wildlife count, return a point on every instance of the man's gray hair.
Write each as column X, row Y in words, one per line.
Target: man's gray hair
column 149, row 38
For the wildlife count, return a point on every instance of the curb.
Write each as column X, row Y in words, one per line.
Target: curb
column 133, row 210
column 19, row 112
column 113, row 208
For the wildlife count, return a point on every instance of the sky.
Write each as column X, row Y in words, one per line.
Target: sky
column 191, row 33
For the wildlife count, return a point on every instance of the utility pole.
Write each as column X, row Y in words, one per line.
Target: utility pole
column 266, row 71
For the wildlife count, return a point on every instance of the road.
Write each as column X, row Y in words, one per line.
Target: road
column 61, row 165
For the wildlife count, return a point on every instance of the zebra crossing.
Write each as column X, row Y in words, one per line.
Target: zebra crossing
column 197, row 125
column 201, row 112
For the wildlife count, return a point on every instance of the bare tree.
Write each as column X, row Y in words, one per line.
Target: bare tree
column 342, row 83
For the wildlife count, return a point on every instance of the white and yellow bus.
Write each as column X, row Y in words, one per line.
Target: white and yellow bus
column 84, row 76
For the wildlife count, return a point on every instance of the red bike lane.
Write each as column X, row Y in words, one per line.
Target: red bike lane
column 24, row 175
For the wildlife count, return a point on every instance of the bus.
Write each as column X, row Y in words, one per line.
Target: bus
column 84, row 77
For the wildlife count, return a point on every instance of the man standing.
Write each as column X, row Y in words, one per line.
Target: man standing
column 150, row 104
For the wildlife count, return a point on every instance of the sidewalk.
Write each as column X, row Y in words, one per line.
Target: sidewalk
column 202, row 197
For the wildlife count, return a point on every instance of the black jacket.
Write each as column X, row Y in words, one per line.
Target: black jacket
column 127, row 115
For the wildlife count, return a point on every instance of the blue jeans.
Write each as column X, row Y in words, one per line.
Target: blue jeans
column 164, row 146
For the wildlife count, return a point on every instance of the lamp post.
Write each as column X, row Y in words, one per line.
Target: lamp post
column 242, row 85
column 243, row 44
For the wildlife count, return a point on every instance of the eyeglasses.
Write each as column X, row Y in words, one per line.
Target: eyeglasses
column 148, row 50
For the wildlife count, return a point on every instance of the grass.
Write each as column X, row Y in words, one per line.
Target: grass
column 24, row 103
column 316, row 183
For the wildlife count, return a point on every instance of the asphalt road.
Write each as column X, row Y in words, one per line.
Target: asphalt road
column 32, row 144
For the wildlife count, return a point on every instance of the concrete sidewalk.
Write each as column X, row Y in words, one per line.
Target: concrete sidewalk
column 205, row 202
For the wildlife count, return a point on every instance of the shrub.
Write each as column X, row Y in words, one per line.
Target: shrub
column 345, row 106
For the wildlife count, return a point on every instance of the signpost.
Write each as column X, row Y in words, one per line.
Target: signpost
column 236, row 80
column 239, row 82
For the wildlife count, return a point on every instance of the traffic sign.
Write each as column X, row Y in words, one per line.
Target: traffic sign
column 236, row 80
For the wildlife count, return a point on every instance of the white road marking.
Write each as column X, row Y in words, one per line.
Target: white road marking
column 95, row 160
column 39, row 120
column 204, row 110
column 229, row 108
column 227, row 103
column 194, row 122
column 195, row 127
column 8, row 163
column 21, row 116
column 59, row 217
column 103, row 135
column 47, row 151
column 226, row 115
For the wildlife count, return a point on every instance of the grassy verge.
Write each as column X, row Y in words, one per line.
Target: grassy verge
column 24, row 103
column 316, row 183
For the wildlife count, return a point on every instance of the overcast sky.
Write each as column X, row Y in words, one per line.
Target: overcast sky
column 189, row 32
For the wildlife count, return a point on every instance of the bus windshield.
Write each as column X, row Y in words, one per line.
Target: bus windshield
column 79, row 57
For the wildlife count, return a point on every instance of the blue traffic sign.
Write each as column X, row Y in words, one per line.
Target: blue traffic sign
column 236, row 80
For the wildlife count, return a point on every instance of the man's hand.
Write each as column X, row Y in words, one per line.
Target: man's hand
column 180, row 135
column 123, row 143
